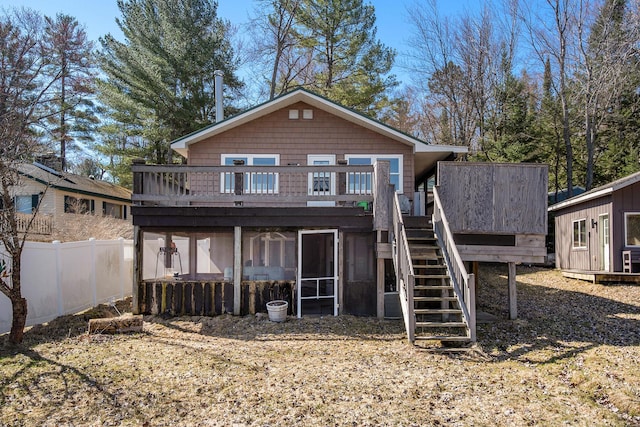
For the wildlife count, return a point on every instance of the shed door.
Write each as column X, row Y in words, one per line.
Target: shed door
column 317, row 272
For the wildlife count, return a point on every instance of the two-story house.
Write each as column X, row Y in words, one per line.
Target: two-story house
column 299, row 199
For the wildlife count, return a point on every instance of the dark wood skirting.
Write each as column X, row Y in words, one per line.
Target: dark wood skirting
column 354, row 218
column 205, row 298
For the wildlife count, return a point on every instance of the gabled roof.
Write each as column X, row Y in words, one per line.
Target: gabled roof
column 439, row 152
column 598, row 192
column 74, row 183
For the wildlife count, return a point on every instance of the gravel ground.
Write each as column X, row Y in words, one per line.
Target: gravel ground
column 570, row 359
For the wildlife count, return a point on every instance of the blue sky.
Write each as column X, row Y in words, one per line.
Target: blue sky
column 98, row 16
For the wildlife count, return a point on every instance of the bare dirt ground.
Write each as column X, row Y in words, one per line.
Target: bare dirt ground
column 572, row 358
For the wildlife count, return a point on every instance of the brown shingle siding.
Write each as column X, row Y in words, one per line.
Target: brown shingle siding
column 294, row 139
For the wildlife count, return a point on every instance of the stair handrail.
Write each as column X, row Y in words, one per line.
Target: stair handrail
column 405, row 277
column 455, row 266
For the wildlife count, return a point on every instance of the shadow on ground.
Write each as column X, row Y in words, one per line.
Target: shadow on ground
column 562, row 315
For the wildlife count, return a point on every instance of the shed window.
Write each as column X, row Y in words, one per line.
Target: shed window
column 632, row 229
column 580, row 234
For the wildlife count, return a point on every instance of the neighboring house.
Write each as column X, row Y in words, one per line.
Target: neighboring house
column 59, row 193
column 594, row 229
column 304, row 200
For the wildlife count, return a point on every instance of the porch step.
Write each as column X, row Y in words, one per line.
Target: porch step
column 431, row 276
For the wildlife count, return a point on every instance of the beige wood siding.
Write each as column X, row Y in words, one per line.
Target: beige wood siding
column 294, row 139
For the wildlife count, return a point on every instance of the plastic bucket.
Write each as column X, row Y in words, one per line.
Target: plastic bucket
column 277, row 310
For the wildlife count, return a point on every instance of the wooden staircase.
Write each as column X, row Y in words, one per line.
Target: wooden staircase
column 438, row 316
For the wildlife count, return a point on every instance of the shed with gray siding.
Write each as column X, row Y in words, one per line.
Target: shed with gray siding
column 593, row 229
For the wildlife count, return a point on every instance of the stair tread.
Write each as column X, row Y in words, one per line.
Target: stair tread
column 425, row 256
column 434, row 266
column 441, row 324
column 433, row 287
column 437, row 311
column 431, row 276
column 442, row 337
column 435, row 298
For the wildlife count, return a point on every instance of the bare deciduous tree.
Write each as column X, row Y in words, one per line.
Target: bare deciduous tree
column 24, row 94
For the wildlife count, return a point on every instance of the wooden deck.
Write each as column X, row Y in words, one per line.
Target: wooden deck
column 602, row 276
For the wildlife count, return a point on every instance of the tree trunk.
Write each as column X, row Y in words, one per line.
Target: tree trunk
column 590, row 142
column 19, row 306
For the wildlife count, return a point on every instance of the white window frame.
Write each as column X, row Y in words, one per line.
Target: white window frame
column 581, row 245
column 249, row 177
column 376, row 157
column 626, row 228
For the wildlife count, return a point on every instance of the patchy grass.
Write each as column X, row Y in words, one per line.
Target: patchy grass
column 571, row 358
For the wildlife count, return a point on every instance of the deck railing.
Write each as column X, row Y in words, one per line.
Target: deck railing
column 463, row 282
column 405, row 277
column 180, row 185
column 41, row 224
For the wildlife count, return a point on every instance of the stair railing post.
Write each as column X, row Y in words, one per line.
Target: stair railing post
column 471, row 304
column 411, row 333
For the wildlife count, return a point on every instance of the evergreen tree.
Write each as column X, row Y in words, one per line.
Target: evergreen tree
column 513, row 124
column 73, row 114
column 350, row 65
column 159, row 82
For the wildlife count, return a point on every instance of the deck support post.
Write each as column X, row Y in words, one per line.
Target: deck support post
column 137, row 269
column 237, row 269
column 513, row 301
column 380, row 288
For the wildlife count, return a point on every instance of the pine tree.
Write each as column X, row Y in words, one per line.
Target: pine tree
column 73, row 113
column 159, row 81
column 350, row 65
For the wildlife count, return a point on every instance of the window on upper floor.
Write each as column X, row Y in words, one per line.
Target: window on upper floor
column 361, row 182
column 259, row 182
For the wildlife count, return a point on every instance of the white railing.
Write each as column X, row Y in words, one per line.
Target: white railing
column 42, row 224
column 181, row 185
column 463, row 282
column 405, row 277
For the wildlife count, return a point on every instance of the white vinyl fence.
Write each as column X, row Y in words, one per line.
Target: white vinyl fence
column 65, row 278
